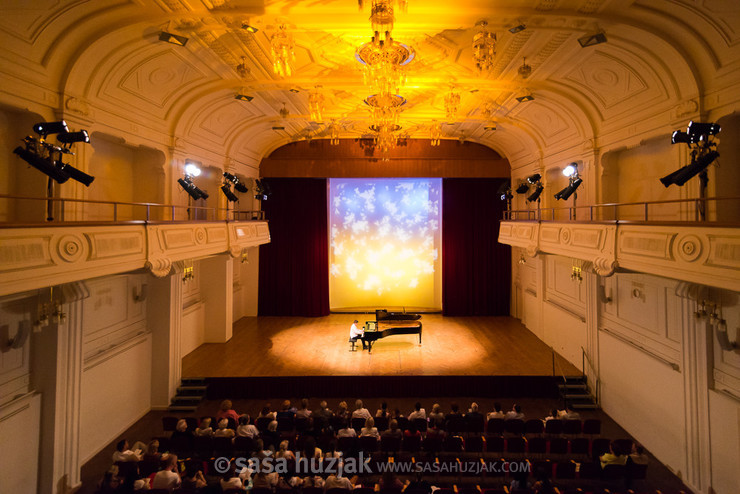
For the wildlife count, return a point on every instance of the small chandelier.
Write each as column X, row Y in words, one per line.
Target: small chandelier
column 435, row 133
column 384, row 63
column 316, row 105
column 334, row 134
column 284, row 112
column 385, row 136
column 385, row 108
column 484, row 47
column 452, row 103
column 282, row 51
column 525, row 70
column 243, row 69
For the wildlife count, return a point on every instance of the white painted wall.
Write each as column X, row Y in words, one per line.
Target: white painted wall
column 724, row 424
column 116, row 392
column 193, row 321
column 20, row 444
column 246, row 278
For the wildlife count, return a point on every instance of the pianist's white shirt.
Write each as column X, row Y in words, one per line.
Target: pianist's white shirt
column 354, row 331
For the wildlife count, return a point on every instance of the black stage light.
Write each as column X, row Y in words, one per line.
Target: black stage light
column 190, row 188
column 533, row 179
column 175, row 39
column 592, row 39
column 41, row 164
column 76, row 174
column 682, row 137
column 46, row 128
column 685, row 173
column 238, row 184
column 229, row 195
column 72, row 137
column 523, row 188
column 696, row 129
column 536, row 194
column 504, row 191
column 568, row 191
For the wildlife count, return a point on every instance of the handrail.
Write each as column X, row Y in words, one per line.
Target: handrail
column 584, row 359
column 169, row 211
column 538, row 214
column 646, row 351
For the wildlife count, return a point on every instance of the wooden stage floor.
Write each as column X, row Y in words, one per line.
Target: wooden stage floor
column 303, row 346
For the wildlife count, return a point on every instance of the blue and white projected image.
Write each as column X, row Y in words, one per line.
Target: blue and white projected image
column 385, row 243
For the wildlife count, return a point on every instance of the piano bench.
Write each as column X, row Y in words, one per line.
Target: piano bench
column 352, row 344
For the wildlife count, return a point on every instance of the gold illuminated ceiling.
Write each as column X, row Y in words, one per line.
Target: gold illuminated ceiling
column 660, row 56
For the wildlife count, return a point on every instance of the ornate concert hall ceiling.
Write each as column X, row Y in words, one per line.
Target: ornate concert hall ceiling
column 659, row 56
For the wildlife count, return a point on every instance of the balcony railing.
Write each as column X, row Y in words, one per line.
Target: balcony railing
column 708, row 210
column 15, row 210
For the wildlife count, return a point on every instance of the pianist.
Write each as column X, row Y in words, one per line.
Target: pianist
column 355, row 333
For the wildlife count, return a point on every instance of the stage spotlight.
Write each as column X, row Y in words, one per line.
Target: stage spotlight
column 72, row 137
column 262, row 190
column 684, row 174
column 523, row 188
column 249, row 28
column 191, row 169
column 536, row 194
column 571, row 170
column 229, row 195
column 45, row 128
column 43, row 165
column 682, row 137
column 697, row 129
column 533, row 179
column 191, row 188
column 504, row 191
column 238, row 184
column 518, row 28
column 525, row 96
column 569, row 190
column 76, row 174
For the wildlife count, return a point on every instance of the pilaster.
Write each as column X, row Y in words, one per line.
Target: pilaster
column 165, row 296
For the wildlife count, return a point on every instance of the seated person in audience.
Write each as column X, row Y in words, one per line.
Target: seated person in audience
column 110, row 481
column 123, row 453
column 264, row 480
column 383, row 410
column 473, row 413
column 436, row 429
column 167, row 478
column 271, row 437
column 334, row 482
column 323, row 412
column 613, row 457
column 266, row 412
column 245, row 429
column 310, row 450
column 638, row 455
column 332, row 451
column 543, row 484
column 142, row 484
column 286, row 411
column 152, row 451
column 204, row 429
column 303, row 412
column 396, row 414
column 312, row 481
column 389, row 481
column 223, row 429
column 347, row 430
column 554, row 415
column 360, row 411
column 520, row 482
column 342, row 411
column 496, row 413
column 193, row 477
column 436, row 413
column 230, row 479
column 259, row 451
column 515, row 413
column 418, row 413
column 454, row 409
column 393, row 430
column 181, row 430
column 284, row 452
column 370, row 430
column 419, row 484
column 411, row 431
column 227, row 412
column 568, row 414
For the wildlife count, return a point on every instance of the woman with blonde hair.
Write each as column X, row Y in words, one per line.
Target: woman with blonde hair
column 204, row 429
column 284, row 452
column 370, row 429
column 223, row 429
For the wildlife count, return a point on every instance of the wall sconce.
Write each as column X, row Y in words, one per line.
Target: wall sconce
column 522, row 259
column 141, row 292
column 575, row 274
column 245, row 257
column 188, row 273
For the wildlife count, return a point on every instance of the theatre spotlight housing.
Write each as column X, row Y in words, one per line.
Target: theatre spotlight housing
column 43, row 165
column 682, row 137
column 533, row 179
column 72, row 137
column 504, row 191
column 571, row 170
column 523, row 188
column 229, row 195
column 238, row 184
column 262, row 190
column 192, row 190
column 76, row 174
column 536, row 194
column 45, row 128
column 685, row 173
column 697, row 129
column 569, row 190
column 192, row 169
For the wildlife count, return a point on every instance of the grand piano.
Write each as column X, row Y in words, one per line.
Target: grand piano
column 389, row 324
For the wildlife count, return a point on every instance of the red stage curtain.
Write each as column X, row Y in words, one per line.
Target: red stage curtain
column 476, row 269
column 294, row 266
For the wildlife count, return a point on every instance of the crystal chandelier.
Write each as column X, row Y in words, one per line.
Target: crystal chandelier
column 435, row 133
column 525, row 70
column 484, row 47
column 384, row 63
column 334, row 134
column 316, row 106
column 243, row 69
column 385, row 136
column 385, row 108
column 282, row 44
column 452, row 103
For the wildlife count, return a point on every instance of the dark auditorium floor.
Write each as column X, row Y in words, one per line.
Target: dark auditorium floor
column 658, row 477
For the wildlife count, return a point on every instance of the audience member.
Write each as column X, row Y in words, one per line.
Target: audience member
column 193, row 477
column 284, row 452
column 454, row 409
column 496, row 413
column 123, row 453
column 389, row 481
column 223, row 429
column 227, row 412
column 271, row 437
column 310, row 450
column 230, row 480
column 303, row 412
column 393, row 430
column 369, row 430
column 334, row 482
column 286, row 411
column 436, row 413
column 554, row 414
column 543, row 485
column 267, row 412
column 613, row 457
column 436, row 428
column 110, row 481
column 473, row 413
column 204, row 429
column 245, row 429
column 347, row 430
column 181, row 430
column 343, row 411
column 515, row 413
column 167, row 478
column 152, row 452
column 360, row 411
column 323, row 411
column 383, row 410
column 418, row 413
column 569, row 414
column 419, row 485
column 638, row 455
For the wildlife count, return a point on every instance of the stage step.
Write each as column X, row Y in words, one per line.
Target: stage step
column 190, row 394
column 576, row 393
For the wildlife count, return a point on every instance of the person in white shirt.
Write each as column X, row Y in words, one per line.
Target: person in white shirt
column 303, row 412
column 334, row 482
column 346, row 431
column 418, row 413
column 515, row 413
column 568, row 414
column 356, row 332
column 370, row 429
column 496, row 413
column 360, row 411
column 205, row 427
column 168, row 478
column 123, row 453
column 245, row 429
column 223, row 429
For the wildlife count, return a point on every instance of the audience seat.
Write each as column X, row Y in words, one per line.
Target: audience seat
column 495, row 426
column 381, row 423
column 169, row 424
column 515, row 427
column 411, row 444
column 554, row 427
column 534, row 426
column 390, row 444
column 495, row 444
column 537, row 446
column 592, row 427
column 572, row 427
